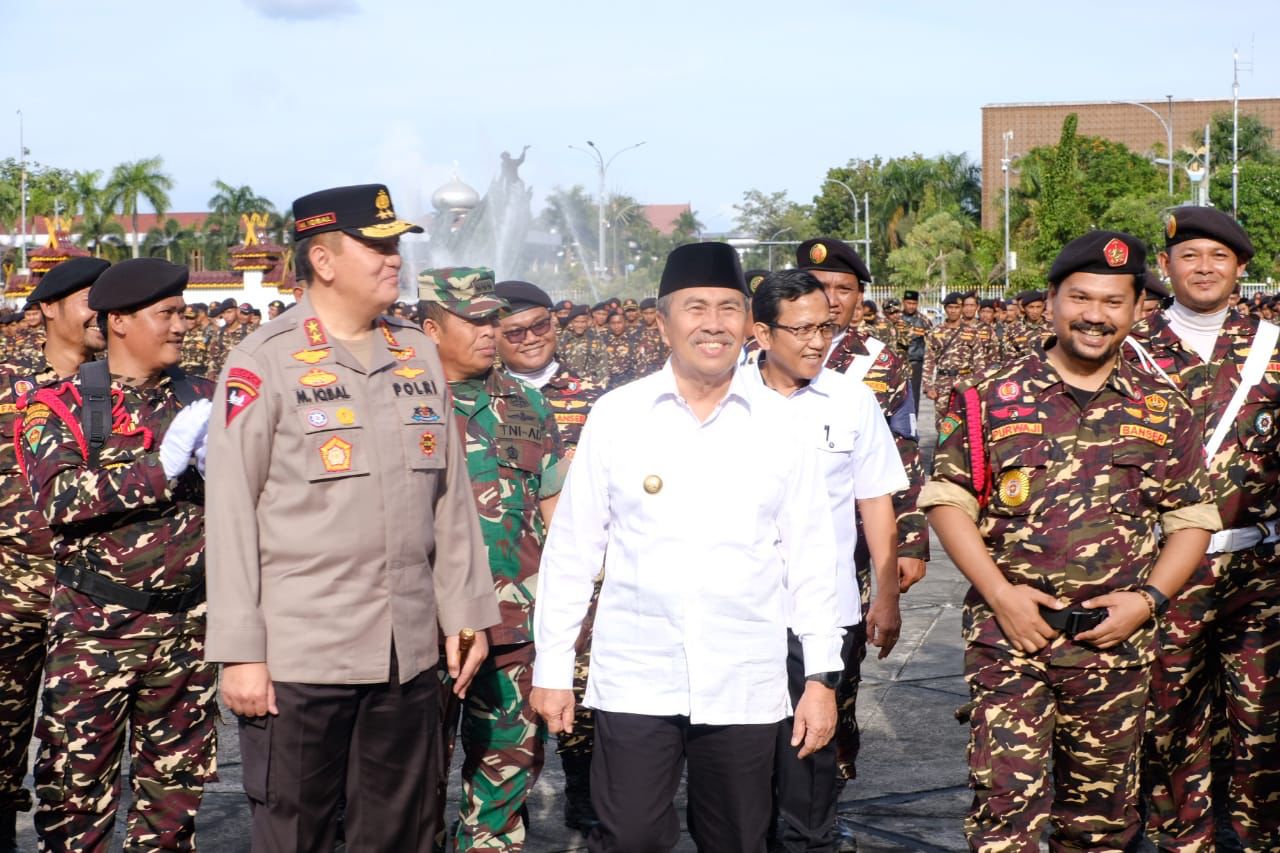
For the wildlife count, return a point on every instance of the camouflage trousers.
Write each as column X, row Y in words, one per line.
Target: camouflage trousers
column 502, row 748
column 24, row 617
column 848, row 737
column 97, row 691
column 1028, row 715
column 1216, row 677
column 579, row 741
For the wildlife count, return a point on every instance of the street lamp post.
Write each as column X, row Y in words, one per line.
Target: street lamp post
column 852, row 197
column 771, row 239
column 1004, row 167
column 22, row 155
column 1168, row 129
column 602, row 165
column 613, row 226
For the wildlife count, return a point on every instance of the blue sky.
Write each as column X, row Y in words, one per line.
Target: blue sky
column 289, row 96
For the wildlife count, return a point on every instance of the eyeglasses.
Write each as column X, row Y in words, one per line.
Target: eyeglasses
column 807, row 331
column 517, row 335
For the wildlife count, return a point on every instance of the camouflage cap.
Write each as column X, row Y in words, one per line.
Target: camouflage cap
column 465, row 291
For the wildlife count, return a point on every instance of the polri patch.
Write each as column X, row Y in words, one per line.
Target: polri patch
column 335, row 455
column 425, row 415
column 243, row 387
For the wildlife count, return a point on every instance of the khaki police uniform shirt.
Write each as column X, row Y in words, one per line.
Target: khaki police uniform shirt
column 340, row 518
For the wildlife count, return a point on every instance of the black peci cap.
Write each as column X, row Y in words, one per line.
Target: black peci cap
column 831, row 255
column 66, row 278
column 1192, row 223
column 362, row 211
column 1100, row 253
column 702, row 265
column 137, row 283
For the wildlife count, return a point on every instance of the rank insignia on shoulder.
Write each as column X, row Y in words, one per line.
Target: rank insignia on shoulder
column 311, row 356
column 409, row 372
column 335, row 455
column 1152, row 435
column 314, row 331
column 1014, row 488
column 317, row 378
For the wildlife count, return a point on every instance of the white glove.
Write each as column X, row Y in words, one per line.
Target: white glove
column 187, row 430
column 201, row 451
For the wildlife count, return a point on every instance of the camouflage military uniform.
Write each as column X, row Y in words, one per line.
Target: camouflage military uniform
column 113, row 671
column 951, row 353
column 888, row 377
column 584, row 355
column 195, row 352
column 1221, row 638
column 222, row 344
column 1066, row 501
column 621, row 355
column 26, row 580
column 515, row 459
column 989, row 336
column 571, row 399
column 653, row 351
column 1020, row 338
column 882, row 330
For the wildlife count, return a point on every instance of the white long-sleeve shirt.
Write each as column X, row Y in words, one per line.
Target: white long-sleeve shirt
column 840, row 416
column 693, row 613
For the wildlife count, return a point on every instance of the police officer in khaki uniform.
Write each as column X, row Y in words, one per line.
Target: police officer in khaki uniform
column 344, row 538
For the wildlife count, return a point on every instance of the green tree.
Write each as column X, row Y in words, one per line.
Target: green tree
column 173, row 241
column 933, row 253
column 773, row 217
column 1062, row 214
column 687, row 228
column 141, row 179
column 1255, row 141
column 1259, row 213
column 226, row 207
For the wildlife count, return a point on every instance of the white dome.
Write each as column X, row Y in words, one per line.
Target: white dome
column 455, row 195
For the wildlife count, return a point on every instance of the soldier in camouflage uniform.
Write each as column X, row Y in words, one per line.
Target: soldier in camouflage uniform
column 1062, row 467
column 126, row 623
column 195, row 351
column 970, row 310
column 581, row 349
column 842, row 273
column 1027, row 334
column 517, row 466
column 1218, row 648
column 530, row 357
column 653, row 348
column 26, row 554
column 620, row 350
column 240, row 327
column 952, row 352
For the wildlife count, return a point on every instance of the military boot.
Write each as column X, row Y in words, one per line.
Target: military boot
column 8, row 832
column 578, row 812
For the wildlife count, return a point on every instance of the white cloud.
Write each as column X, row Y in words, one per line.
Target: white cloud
column 303, row 10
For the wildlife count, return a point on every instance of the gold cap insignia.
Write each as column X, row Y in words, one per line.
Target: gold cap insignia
column 382, row 201
column 1170, row 227
column 817, row 253
column 1116, row 252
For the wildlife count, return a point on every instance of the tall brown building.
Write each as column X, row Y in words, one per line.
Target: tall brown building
column 1035, row 125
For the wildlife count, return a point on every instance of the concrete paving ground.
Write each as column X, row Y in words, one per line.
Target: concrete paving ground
column 910, row 793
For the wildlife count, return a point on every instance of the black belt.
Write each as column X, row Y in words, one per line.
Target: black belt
column 108, row 591
column 1071, row 621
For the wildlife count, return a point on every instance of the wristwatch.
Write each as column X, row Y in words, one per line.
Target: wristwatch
column 1161, row 600
column 826, row 679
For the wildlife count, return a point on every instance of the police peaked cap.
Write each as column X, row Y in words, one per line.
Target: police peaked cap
column 137, row 283
column 521, row 295
column 702, row 265
column 831, row 255
column 66, row 278
column 1100, row 253
column 1192, row 223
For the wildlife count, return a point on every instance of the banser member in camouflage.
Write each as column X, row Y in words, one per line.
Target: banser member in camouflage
column 72, row 337
column 343, row 541
column 28, row 336
column 1219, row 646
column 620, row 351
column 526, row 344
column 581, row 349
column 1026, row 334
column 195, row 349
column 517, row 467
column 952, row 352
column 1050, row 477
column 842, row 273
column 127, row 618
column 653, row 346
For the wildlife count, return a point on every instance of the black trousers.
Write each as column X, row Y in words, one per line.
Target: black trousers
column 376, row 744
column 917, row 371
column 636, row 769
column 805, row 790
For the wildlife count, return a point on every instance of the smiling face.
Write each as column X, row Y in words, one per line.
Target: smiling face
column 364, row 273
column 705, row 328
column 72, row 323
column 1092, row 315
column 1203, row 274
column 800, row 360
column 150, row 337
column 534, row 342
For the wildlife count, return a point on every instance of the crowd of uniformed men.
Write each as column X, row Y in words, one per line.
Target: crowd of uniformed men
column 383, row 478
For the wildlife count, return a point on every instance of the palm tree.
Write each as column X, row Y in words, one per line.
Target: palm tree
column 129, row 182
column 98, row 229
column 687, row 227
column 163, row 241
column 230, row 203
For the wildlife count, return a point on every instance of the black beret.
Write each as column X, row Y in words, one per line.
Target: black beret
column 753, row 278
column 702, row 265
column 362, row 211
column 600, row 306
column 521, row 296
column 137, row 283
column 953, row 298
column 647, row 303
column 911, row 294
column 1192, row 223
column 869, row 304
column 614, row 301
column 276, row 303
column 1100, row 253
column 564, row 305
column 987, row 303
column 832, row 255
column 66, row 278
column 578, row 311
column 1029, row 296
column 1152, row 284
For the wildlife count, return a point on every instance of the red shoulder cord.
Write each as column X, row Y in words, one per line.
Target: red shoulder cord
column 51, row 397
column 977, row 450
